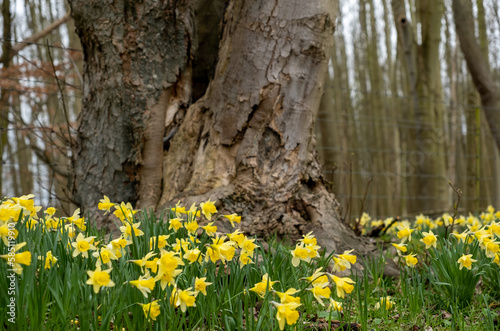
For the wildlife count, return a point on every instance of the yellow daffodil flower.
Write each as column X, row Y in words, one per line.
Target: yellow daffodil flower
column 15, row 260
column 410, row 260
column 320, row 291
column 400, row 248
column 168, row 262
column 8, row 232
column 142, row 262
column 105, row 204
column 162, row 241
column 105, row 255
column 99, row 278
column 347, row 258
column 185, row 298
column 287, row 297
column 300, row 253
column 491, row 248
column 175, row 223
column 220, row 250
column 496, row 259
column 385, row 302
column 178, row 209
column 208, row 208
column 344, row 285
column 119, row 245
column 50, row 260
column 429, row 239
column 264, row 285
column 317, row 278
column 200, row 285
column 404, row 232
column 210, row 229
column 245, row 258
column 82, row 245
column 466, row 261
column 192, row 227
column 125, row 212
column 151, row 310
column 50, row 211
column 287, row 313
column 145, row 284
column 233, row 218
column 247, row 245
column 334, row 306
column 193, row 255
column 168, row 277
column 237, row 237
column 127, row 230
column 309, row 239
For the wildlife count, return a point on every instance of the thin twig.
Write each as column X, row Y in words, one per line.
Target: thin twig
column 348, row 214
column 62, row 98
column 455, row 208
column 39, row 35
column 361, row 209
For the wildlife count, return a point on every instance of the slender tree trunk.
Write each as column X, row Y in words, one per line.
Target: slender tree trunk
column 4, row 94
column 406, row 50
column 478, row 66
column 392, row 113
column 346, row 138
column 364, row 128
column 428, row 161
column 488, row 149
column 24, row 157
column 383, row 183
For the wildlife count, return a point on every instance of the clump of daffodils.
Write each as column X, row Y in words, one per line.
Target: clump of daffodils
column 175, row 266
column 156, row 264
column 385, row 303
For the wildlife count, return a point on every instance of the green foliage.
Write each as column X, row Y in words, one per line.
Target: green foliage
column 432, row 291
column 453, row 284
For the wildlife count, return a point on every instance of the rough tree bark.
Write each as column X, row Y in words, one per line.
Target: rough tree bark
column 478, row 66
column 247, row 143
column 136, row 57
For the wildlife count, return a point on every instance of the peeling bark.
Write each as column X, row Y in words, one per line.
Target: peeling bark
column 150, row 172
column 248, row 142
column 135, row 55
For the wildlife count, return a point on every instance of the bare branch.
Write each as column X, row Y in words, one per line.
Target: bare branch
column 39, row 35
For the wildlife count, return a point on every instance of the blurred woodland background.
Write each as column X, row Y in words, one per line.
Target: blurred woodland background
column 390, row 136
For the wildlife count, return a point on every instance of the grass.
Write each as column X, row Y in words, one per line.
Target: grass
column 244, row 282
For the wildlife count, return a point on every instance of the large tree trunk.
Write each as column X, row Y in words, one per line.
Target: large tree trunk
column 249, row 143
column 136, row 63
